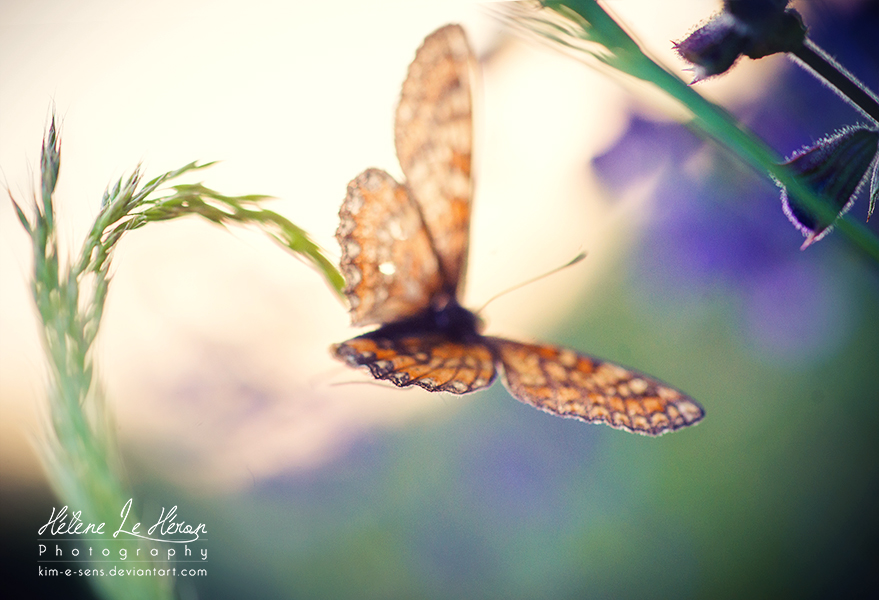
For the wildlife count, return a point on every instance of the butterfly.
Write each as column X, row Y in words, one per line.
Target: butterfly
column 404, row 249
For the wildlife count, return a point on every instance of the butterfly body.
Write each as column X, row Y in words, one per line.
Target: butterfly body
column 404, row 252
column 452, row 321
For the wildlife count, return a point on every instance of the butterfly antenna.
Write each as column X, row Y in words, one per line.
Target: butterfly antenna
column 570, row 263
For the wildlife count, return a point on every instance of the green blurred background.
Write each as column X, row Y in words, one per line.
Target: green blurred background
column 771, row 496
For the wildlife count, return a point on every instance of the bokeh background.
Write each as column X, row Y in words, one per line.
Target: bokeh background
column 314, row 482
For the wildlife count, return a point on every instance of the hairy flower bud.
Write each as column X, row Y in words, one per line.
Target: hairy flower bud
column 714, row 47
column 835, row 167
column 754, row 28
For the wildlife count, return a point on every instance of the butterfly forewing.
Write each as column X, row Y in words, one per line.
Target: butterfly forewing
column 390, row 269
column 433, row 135
column 430, row 360
column 569, row 384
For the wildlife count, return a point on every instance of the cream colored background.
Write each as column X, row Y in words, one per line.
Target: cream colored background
column 214, row 343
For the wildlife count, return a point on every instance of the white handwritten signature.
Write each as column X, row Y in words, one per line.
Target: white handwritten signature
column 166, row 529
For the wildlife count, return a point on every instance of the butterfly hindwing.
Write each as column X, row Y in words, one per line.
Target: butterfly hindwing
column 433, row 134
column 391, row 271
column 569, row 384
column 430, row 360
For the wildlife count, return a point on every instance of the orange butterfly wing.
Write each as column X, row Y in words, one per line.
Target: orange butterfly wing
column 569, row 384
column 433, row 133
column 427, row 359
column 390, row 268
column 404, row 246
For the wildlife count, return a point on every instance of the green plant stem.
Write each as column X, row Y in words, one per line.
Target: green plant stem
column 844, row 83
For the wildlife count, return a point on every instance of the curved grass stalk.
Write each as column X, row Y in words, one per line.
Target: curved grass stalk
column 79, row 454
column 590, row 31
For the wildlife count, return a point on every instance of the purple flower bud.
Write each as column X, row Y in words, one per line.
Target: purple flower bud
column 714, row 47
column 754, row 28
column 835, row 167
column 784, row 32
